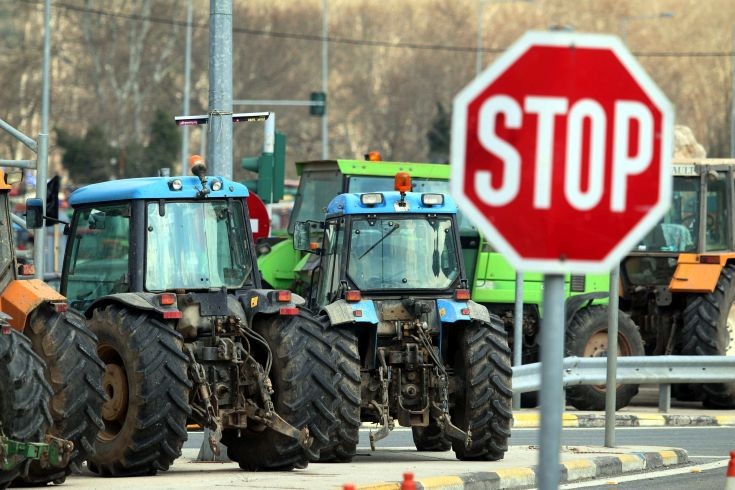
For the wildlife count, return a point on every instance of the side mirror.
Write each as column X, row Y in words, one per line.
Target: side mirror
column 34, row 213
column 301, row 236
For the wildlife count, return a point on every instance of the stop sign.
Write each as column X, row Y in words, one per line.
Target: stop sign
column 259, row 220
column 561, row 152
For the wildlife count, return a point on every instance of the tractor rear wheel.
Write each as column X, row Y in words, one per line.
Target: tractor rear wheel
column 74, row 372
column 709, row 330
column 344, row 436
column 146, row 381
column 306, row 378
column 24, row 396
column 482, row 402
column 586, row 336
column 430, row 438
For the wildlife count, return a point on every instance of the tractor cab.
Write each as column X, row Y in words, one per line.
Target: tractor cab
column 387, row 244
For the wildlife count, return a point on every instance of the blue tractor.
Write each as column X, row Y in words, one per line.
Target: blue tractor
column 391, row 281
column 164, row 270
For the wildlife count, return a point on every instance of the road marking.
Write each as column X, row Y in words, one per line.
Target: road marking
column 648, row 475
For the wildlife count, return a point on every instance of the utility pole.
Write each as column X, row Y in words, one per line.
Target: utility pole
column 219, row 127
column 325, row 76
column 187, row 87
column 39, row 241
column 732, row 98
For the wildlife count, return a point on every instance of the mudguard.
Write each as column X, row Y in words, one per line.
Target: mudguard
column 450, row 311
column 265, row 301
column 341, row 312
column 140, row 301
column 22, row 297
column 574, row 303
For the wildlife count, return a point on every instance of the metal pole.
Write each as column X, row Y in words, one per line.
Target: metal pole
column 39, row 239
column 612, row 358
column 552, row 392
column 269, row 143
column 478, row 50
column 325, row 76
column 518, row 332
column 219, row 129
column 187, row 88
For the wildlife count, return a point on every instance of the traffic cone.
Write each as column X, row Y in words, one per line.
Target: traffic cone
column 408, row 483
column 730, row 477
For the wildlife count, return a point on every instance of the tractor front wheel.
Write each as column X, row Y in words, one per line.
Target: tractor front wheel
column 74, row 372
column 147, row 386
column 482, row 403
column 430, row 438
column 586, row 336
column 24, row 396
column 709, row 330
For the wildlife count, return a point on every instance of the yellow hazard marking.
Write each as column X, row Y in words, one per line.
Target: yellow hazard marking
column 725, row 419
column 253, row 302
column 650, row 420
column 380, row 486
column 531, row 420
column 521, row 476
column 580, row 468
column 669, row 457
column 442, row 482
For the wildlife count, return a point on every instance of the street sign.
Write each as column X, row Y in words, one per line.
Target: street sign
column 561, row 152
column 259, row 220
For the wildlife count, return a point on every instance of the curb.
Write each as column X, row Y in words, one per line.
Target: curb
column 571, row 471
column 533, row 420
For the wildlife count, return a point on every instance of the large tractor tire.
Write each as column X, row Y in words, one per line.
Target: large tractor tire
column 24, row 396
column 430, row 438
column 148, row 388
column 344, row 436
column 306, row 374
column 482, row 402
column 74, row 372
column 586, row 336
column 709, row 330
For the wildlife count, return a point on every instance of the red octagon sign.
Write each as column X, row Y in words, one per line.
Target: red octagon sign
column 259, row 220
column 561, row 152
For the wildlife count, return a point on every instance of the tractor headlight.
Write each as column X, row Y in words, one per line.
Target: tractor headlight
column 216, row 185
column 371, row 199
column 432, row 199
column 175, row 184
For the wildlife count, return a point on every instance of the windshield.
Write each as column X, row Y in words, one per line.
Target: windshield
column 316, row 189
column 398, row 253
column 196, row 245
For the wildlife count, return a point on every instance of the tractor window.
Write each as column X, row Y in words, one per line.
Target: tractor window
column 717, row 215
column 196, row 245
column 403, row 253
column 678, row 231
column 316, row 190
column 99, row 258
column 6, row 246
column 332, row 260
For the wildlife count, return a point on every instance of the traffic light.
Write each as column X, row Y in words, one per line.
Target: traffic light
column 318, row 109
column 270, row 168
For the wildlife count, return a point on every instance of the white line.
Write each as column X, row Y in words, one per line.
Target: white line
column 647, row 475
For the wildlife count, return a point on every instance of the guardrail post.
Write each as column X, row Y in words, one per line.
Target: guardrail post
column 664, row 397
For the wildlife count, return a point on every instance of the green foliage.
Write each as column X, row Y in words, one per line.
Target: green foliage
column 438, row 135
column 89, row 159
column 163, row 147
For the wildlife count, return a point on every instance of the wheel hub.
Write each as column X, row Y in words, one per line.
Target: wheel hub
column 115, row 384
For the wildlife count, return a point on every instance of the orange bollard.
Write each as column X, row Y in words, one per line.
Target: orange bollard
column 730, row 478
column 348, row 486
column 408, row 483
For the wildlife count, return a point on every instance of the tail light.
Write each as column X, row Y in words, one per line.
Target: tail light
column 465, row 311
column 709, row 259
column 27, row 269
column 288, row 311
column 462, row 294
column 61, row 306
column 167, row 299
column 353, row 296
column 284, row 296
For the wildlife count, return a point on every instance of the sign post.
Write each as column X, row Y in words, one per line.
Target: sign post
column 561, row 157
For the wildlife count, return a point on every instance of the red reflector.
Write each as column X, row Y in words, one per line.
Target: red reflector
column 357, row 313
column 284, row 296
column 167, row 299
column 5, row 330
column 465, row 311
column 709, row 259
column 171, row 315
column 289, row 310
column 353, row 295
column 462, row 294
column 61, row 307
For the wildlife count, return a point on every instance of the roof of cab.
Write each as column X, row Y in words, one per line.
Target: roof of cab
column 153, row 188
column 347, row 204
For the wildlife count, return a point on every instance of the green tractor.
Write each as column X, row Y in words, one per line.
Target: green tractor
column 164, row 270
column 391, row 281
column 491, row 279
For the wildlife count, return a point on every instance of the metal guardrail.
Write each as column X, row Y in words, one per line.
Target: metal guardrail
column 661, row 370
